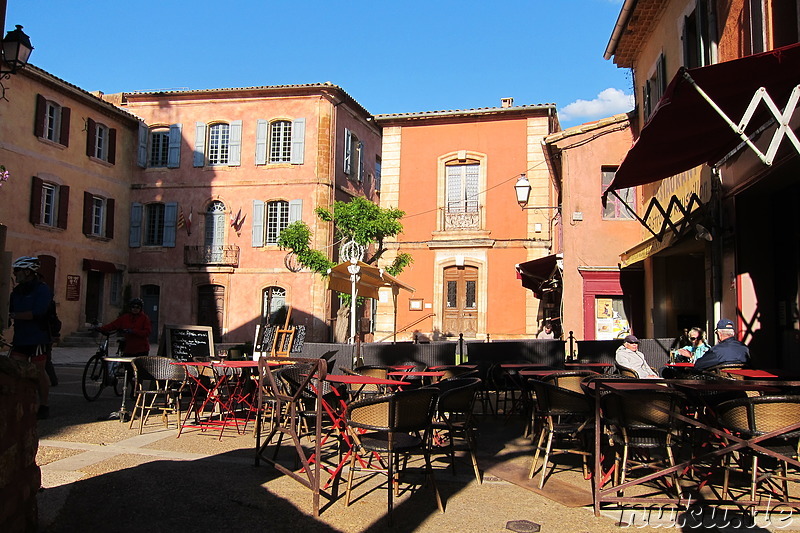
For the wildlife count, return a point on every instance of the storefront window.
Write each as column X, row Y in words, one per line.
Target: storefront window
column 611, row 321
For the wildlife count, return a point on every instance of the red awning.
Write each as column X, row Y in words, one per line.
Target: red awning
column 534, row 273
column 685, row 131
column 100, row 266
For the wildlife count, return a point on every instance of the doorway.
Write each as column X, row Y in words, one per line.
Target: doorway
column 151, row 296
column 215, row 231
column 94, row 295
column 460, row 314
column 211, row 308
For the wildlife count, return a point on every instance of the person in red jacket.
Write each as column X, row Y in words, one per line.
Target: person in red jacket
column 135, row 327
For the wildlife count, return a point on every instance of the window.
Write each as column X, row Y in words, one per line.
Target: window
column 100, row 141
column 153, row 224
column 615, row 209
column 462, row 188
column 353, row 156
column 696, row 38
column 159, row 148
column 49, row 203
column 655, row 86
column 277, row 220
column 377, row 173
column 218, row 144
column 270, row 218
column 98, row 216
column 115, row 296
column 754, row 25
column 280, row 141
column 52, row 121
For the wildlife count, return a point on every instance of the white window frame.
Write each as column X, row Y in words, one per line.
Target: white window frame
column 218, row 145
column 48, row 214
column 615, row 208
column 277, row 212
column 465, row 199
column 98, row 216
column 280, row 141
column 52, row 122
column 158, row 152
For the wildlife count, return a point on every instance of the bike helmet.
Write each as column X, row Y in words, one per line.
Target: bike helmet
column 136, row 302
column 27, row 262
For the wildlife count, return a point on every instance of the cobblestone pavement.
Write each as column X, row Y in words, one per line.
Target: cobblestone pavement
column 99, row 475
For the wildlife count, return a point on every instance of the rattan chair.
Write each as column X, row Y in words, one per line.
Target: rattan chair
column 626, row 372
column 374, row 371
column 156, row 378
column 569, row 379
column 394, row 424
column 566, row 420
column 752, row 417
column 453, row 417
column 639, row 424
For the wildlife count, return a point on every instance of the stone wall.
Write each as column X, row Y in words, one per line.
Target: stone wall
column 20, row 477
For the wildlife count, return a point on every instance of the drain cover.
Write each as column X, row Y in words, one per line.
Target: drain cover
column 523, row 526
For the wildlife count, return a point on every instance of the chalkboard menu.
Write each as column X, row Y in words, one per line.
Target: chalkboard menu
column 186, row 342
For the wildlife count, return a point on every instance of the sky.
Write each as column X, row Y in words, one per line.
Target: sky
column 392, row 57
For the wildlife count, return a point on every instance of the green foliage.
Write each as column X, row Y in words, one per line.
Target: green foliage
column 297, row 238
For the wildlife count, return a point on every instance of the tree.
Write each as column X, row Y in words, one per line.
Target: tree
column 358, row 220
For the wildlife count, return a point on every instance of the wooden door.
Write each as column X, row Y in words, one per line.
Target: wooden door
column 460, row 301
column 211, row 308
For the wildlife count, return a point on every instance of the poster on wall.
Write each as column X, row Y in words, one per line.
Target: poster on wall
column 611, row 322
column 73, row 288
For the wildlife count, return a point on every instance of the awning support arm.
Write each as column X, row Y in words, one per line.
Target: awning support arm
column 738, row 129
column 633, row 211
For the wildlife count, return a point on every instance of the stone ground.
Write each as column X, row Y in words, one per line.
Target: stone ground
column 99, row 475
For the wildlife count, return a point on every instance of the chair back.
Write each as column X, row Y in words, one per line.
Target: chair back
column 452, row 372
column 293, row 379
column 554, row 401
column 457, row 395
column 157, row 368
column 758, row 415
column 403, row 411
column 642, row 409
column 569, row 379
column 626, row 372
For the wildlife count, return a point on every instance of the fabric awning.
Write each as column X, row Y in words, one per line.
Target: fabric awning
column 537, row 271
column 372, row 279
column 685, row 131
column 100, row 266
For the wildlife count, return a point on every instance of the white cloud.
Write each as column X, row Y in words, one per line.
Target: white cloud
column 609, row 102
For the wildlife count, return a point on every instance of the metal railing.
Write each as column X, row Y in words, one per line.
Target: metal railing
column 461, row 218
column 227, row 255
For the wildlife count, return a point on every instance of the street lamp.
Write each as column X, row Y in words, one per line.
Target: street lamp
column 16, row 50
column 523, row 189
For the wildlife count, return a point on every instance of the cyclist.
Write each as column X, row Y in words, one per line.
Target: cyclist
column 29, row 306
column 135, row 327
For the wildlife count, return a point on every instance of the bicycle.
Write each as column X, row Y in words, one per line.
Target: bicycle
column 96, row 374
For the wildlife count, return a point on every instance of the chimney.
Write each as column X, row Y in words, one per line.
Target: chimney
column 507, row 102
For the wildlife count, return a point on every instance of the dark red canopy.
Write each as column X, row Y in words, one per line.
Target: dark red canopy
column 684, row 131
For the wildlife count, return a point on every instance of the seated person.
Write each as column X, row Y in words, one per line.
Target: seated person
column 547, row 331
column 727, row 349
column 629, row 356
column 696, row 348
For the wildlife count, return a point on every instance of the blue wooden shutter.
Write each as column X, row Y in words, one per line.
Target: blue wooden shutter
column 347, row 151
column 295, row 210
column 235, row 144
column 170, row 222
column 174, row 151
column 258, row 224
column 141, row 153
column 298, row 141
column 261, row 141
column 135, row 236
column 199, row 144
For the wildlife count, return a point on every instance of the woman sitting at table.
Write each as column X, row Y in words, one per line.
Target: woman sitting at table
column 697, row 346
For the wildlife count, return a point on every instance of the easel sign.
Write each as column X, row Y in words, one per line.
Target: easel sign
column 184, row 343
column 277, row 339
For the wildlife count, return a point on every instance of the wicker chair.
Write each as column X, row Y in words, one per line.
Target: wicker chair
column 569, row 379
column 626, row 372
column 752, row 417
column 393, row 424
column 290, row 379
column 374, row 371
column 640, row 422
column 565, row 415
column 156, row 377
column 722, row 370
column 453, row 415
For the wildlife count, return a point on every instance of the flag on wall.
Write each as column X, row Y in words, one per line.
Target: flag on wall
column 184, row 222
column 181, row 219
column 189, row 222
column 238, row 221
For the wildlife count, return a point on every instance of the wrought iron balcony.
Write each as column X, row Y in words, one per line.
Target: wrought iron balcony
column 461, row 217
column 211, row 255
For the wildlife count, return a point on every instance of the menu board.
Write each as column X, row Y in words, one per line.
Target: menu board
column 186, row 342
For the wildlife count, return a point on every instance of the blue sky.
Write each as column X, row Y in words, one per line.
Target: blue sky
column 392, row 57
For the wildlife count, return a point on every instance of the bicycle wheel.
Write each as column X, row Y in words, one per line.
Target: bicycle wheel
column 94, row 377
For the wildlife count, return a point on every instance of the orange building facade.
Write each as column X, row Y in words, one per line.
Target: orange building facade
column 453, row 174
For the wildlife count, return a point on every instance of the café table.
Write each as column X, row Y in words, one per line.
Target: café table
column 752, row 373
column 123, row 414
column 425, row 376
column 587, row 365
column 443, row 367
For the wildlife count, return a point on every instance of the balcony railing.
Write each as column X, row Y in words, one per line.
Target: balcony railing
column 461, row 218
column 211, row 255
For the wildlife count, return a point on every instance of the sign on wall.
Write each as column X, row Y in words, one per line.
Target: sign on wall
column 73, row 288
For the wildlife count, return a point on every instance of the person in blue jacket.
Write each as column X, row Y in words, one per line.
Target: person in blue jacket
column 28, row 309
column 727, row 349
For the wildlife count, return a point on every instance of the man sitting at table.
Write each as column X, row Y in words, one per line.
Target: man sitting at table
column 629, row 356
column 727, row 349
